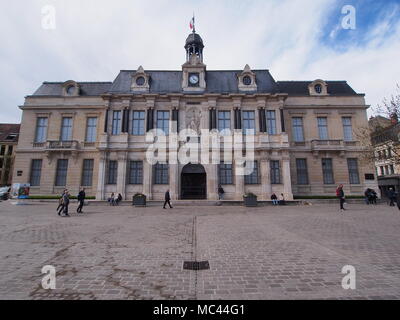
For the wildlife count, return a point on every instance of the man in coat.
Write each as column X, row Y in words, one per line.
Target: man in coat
column 340, row 195
column 81, row 200
column 66, row 203
column 167, row 199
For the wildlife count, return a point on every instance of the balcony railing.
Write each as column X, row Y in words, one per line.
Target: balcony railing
column 62, row 145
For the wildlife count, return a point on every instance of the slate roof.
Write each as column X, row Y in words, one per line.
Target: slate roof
column 300, row 88
column 7, row 129
column 86, row 88
column 218, row 81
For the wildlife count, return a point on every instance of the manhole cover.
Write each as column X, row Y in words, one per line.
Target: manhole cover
column 196, row 265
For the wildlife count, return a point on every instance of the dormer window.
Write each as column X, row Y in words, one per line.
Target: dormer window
column 246, row 80
column 318, row 88
column 140, row 81
column 71, row 88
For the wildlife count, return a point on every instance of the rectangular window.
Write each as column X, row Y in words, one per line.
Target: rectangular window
column 135, row 172
column 354, row 176
column 36, row 172
column 138, row 123
column 391, row 169
column 382, row 172
column 41, row 130
column 163, row 121
column 3, row 150
column 327, row 171
column 116, row 123
column 161, row 173
column 87, row 172
column 66, row 129
column 91, row 129
column 298, row 132
column 61, row 172
column 224, row 120
column 112, row 172
column 347, row 129
column 271, row 122
column 249, row 122
column 252, row 178
column 323, row 128
column 386, row 170
column 275, row 172
column 225, row 173
column 10, row 150
column 302, row 171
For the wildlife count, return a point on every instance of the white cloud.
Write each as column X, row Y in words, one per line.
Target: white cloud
column 95, row 39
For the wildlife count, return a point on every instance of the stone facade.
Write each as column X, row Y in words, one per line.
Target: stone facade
column 8, row 144
column 100, row 129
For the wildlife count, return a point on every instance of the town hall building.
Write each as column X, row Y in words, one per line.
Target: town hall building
column 93, row 134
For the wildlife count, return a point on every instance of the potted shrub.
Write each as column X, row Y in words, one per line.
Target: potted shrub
column 250, row 200
column 139, row 200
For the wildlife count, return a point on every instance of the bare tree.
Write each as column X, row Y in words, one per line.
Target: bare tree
column 389, row 108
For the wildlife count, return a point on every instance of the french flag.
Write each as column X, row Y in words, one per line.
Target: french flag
column 191, row 24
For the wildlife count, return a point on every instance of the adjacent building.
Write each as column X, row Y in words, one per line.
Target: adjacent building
column 92, row 134
column 386, row 145
column 8, row 143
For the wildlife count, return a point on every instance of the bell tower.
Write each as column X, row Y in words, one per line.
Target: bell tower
column 194, row 70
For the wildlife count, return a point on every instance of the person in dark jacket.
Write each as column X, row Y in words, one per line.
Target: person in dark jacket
column 66, row 203
column 221, row 192
column 340, row 195
column 392, row 197
column 60, row 207
column 167, row 199
column 81, row 200
column 274, row 199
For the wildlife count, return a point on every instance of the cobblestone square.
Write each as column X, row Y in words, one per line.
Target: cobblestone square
column 291, row 252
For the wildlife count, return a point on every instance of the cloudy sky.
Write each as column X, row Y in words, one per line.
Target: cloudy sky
column 295, row 39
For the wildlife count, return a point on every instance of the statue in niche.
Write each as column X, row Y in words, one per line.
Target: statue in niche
column 193, row 119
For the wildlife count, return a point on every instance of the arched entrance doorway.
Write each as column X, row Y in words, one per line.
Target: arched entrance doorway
column 193, row 182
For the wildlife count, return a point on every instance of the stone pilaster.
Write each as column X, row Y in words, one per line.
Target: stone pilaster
column 239, row 184
column 101, row 181
column 266, row 188
column 121, row 178
column 174, row 181
column 287, row 182
column 147, row 179
column 212, row 182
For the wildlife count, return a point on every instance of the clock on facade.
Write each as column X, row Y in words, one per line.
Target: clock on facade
column 194, row 79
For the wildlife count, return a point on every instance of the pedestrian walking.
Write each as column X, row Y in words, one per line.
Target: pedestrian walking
column 81, row 200
column 60, row 207
column 66, row 203
column 60, row 204
column 274, row 199
column 368, row 196
column 392, row 197
column 167, row 199
column 221, row 192
column 340, row 195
